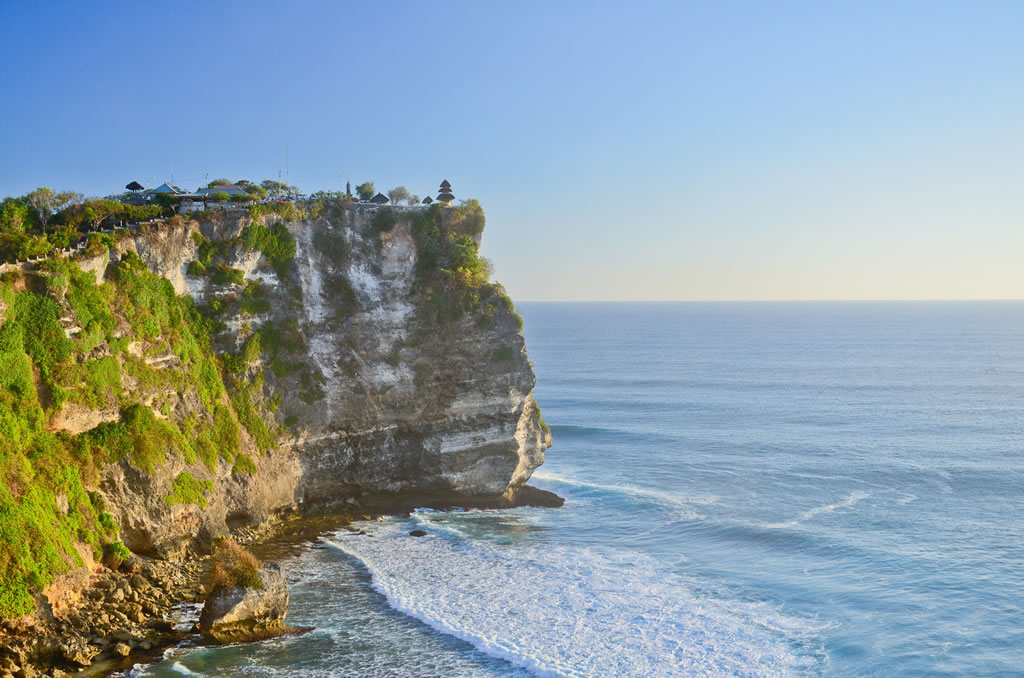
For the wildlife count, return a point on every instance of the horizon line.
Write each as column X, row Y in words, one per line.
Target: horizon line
column 767, row 301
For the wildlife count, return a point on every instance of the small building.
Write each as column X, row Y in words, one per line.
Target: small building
column 445, row 196
column 166, row 188
column 230, row 189
column 428, row 200
column 380, row 199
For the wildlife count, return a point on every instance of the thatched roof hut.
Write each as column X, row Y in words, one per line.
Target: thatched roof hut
column 446, row 196
column 380, row 199
column 134, row 186
column 428, row 200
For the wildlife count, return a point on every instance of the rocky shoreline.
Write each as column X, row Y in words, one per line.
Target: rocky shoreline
column 120, row 613
column 116, row 618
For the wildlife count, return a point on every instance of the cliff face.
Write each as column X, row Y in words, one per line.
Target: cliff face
column 371, row 379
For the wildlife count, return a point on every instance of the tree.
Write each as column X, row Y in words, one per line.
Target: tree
column 96, row 210
column 366, row 190
column 275, row 187
column 46, row 203
column 220, row 196
column 398, row 194
column 15, row 216
column 413, row 199
column 219, row 182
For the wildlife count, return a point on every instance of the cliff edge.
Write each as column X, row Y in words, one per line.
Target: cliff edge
column 198, row 377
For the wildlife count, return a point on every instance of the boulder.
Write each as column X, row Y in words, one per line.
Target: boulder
column 418, row 533
column 237, row 614
column 77, row 651
column 528, row 495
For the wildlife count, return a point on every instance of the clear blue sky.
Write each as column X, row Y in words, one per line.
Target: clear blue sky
column 667, row 150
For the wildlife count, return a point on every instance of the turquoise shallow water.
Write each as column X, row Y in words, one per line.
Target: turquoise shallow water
column 753, row 489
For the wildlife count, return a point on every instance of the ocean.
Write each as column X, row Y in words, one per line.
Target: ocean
column 752, row 489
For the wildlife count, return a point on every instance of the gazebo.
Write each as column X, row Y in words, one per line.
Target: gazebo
column 135, row 187
column 379, row 199
column 445, row 196
column 428, row 200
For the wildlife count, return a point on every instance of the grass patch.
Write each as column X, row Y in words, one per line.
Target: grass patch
column 187, row 490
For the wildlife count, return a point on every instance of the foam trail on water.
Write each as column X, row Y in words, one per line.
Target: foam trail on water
column 850, row 500
column 683, row 505
column 561, row 611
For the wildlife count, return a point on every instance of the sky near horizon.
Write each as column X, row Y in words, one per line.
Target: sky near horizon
column 656, row 151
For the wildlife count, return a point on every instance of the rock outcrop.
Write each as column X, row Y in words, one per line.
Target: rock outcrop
column 239, row 614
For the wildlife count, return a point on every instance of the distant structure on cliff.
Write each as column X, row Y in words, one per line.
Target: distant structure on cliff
column 446, row 196
column 379, row 199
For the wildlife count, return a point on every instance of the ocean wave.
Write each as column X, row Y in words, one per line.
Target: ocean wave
column 850, row 500
column 559, row 611
column 682, row 506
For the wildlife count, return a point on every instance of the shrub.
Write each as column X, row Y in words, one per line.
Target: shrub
column 275, row 243
column 117, row 550
column 382, row 222
column 233, row 566
column 224, row 274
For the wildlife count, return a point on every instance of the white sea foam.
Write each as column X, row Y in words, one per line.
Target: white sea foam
column 850, row 500
column 561, row 611
column 681, row 504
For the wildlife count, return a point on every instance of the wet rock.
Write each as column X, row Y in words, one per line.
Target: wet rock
column 123, row 649
column 237, row 614
column 418, row 533
column 527, row 495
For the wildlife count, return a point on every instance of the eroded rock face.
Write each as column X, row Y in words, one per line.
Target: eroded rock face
column 238, row 615
column 379, row 403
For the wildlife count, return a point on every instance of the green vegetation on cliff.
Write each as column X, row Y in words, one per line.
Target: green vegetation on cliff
column 187, row 490
column 129, row 346
column 454, row 277
column 125, row 372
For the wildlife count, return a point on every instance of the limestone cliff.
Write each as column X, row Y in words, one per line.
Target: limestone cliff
column 375, row 377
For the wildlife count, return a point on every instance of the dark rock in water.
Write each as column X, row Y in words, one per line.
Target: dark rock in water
column 528, row 495
column 418, row 533
column 240, row 615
